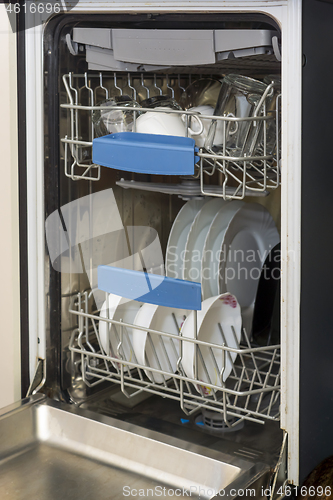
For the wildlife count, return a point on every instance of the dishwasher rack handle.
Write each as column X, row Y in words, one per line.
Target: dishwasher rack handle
column 146, row 153
column 150, row 288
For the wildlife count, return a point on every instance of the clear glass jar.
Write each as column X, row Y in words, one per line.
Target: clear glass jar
column 161, row 101
column 202, row 92
column 112, row 120
column 238, row 98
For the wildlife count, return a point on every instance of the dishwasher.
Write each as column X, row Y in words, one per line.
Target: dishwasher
column 117, row 405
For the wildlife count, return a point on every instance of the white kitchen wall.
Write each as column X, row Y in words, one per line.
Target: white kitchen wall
column 10, row 374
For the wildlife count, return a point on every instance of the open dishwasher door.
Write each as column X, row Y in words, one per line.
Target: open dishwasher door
column 79, row 453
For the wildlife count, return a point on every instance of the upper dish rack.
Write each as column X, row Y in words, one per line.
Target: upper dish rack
column 219, row 175
column 251, row 391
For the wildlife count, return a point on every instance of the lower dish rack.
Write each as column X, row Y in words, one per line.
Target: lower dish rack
column 250, row 392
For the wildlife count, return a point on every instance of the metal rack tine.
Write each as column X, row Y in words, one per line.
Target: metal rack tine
column 156, row 86
column 180, row 366
column 150, row 340
column 252, row 356
column 133, row 352
column 268, row 373
column 99, row 342
column 167, row 356
column 201, row 385
column 228, row 353
column 115, row 83
column 129, row 83
column 120, row 349
column 86, row 322
column 176, row 322
column 144, row 86
column 179, row 85
column 101, row 86
column 169, row 86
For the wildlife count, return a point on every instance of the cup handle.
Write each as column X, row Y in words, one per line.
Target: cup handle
column 192, row 132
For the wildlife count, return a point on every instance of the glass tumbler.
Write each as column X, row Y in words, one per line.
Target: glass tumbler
column 161, row 101
column 112, row 120
column 238, row 98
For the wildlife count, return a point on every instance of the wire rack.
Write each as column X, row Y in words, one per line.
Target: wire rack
column 235, row 177
column 251, row 391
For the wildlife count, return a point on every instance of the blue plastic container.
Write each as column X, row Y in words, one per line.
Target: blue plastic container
column 150, row 288
column 146, row 153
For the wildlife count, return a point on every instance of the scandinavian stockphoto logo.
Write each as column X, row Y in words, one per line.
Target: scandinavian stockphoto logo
column 227, row 263
column 89, row 232
column 25, row 14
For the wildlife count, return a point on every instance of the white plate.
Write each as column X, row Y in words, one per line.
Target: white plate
column 158, row 318
column 196, row 239
column 177, row 239
column 223, row 309
column 118, row 308
column 249, row 238
column 212, row 248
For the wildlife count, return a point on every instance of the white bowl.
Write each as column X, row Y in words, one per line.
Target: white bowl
column 118, row 308
column 152, row 350
column 224, row 310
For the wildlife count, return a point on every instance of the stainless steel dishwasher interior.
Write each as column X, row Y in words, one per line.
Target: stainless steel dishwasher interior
column 54, row 450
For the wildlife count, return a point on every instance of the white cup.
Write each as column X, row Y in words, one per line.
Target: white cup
column 165, row 124
column 201, row 137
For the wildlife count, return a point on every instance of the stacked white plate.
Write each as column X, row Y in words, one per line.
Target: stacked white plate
column 250, row 236
column 175, row 253
column 219, row 322
column 118, row 308
column 196, row 238
column 221, row 313
column 224, row 248
column 213, row 247
column 153, row 350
